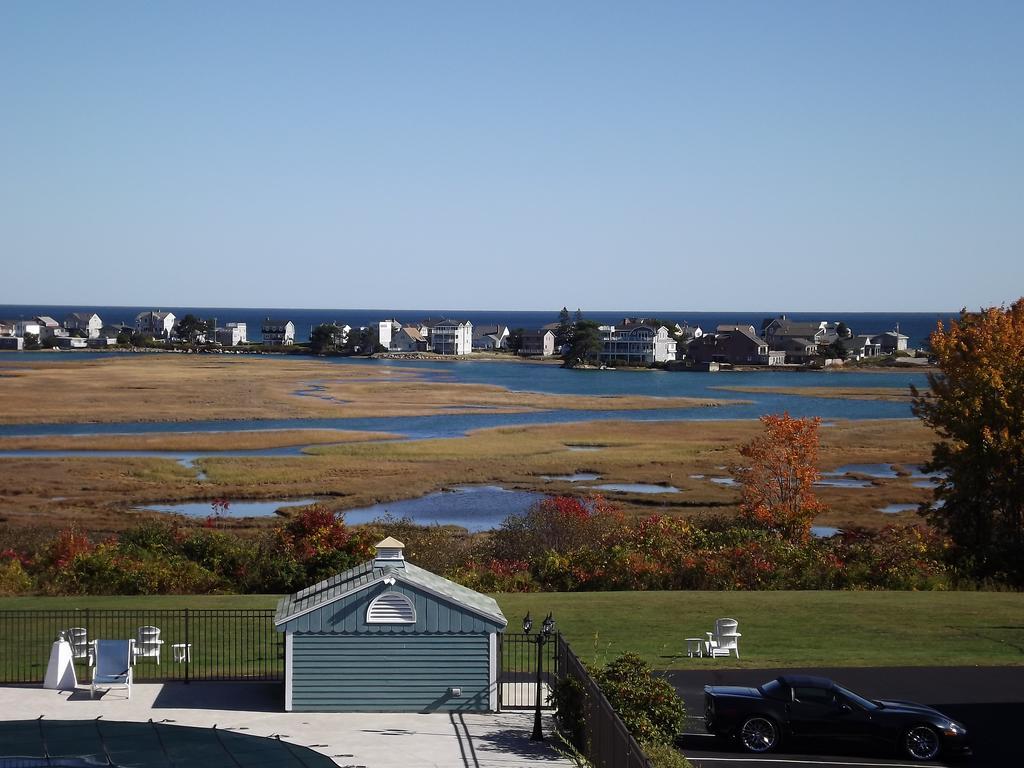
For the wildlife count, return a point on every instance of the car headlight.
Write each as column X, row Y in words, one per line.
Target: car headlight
column 954, row 729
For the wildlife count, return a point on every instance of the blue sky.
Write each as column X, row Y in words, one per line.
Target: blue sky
column 846, row 155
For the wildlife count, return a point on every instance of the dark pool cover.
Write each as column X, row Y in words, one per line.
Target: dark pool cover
column 28, row 743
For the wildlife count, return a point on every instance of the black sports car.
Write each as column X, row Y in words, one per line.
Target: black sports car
column 805, row 706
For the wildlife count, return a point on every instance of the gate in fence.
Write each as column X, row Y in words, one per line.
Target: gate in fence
column 518, row 681
column 228, row 644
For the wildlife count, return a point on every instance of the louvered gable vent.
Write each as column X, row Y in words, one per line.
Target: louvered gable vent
column 391, row 608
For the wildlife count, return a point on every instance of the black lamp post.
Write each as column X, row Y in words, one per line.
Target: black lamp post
column 542, row 636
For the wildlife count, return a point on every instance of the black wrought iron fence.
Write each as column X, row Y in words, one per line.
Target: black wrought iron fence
column 605, row 740
column 518, row 655
column 225, row 644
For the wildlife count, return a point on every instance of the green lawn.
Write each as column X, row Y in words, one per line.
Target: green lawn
column 779, row 628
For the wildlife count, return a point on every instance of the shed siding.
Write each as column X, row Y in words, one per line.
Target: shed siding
column 390, row 673
column 433, row 616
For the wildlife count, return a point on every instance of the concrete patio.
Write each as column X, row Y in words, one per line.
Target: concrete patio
column 370, row 740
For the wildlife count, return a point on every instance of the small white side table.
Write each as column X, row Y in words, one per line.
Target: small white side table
column 181, row 652
column 694, row 647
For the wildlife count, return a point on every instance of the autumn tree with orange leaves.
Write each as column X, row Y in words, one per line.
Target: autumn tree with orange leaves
column 976, row 406
column 776, row 482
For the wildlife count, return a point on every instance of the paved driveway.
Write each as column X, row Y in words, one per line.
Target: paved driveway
column 988, row 700
column 364, row 740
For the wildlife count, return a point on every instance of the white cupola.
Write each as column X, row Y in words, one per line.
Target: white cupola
column 390, row 554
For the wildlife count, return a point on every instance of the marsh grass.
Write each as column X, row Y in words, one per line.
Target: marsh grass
column 96, row 492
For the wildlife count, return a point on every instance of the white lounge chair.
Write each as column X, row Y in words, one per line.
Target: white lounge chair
column 724, row 639
column 148, row 643
column 113, row 666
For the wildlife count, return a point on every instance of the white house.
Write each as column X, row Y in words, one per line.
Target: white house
column 278, row 332
column 23, row 327
column 638, row 344
column 232, row 334
column 451, row 337
column 87, row 322
column 157, row 324
column 386, row 330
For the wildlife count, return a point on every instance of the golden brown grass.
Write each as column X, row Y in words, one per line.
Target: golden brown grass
column 893, row 394
column 163, row 387
column 191, row 441
column 97, row 491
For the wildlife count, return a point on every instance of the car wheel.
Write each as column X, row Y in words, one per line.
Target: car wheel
column 921, row 743
column 758, row 734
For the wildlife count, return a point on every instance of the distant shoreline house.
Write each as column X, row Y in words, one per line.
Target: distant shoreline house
column 637, row 343
column 735, row 344
column 861, row 347
column 891, row 342
column 451, row 337
column 158, row 324
column 23, row 327
column 49, row 328
column 277, row 333
column 539, row 343
column 88, row 323
column 386, row 330
column 487, row 338
column 774, row 331
column 407, row 339
column 232, row 334
column 797, row 350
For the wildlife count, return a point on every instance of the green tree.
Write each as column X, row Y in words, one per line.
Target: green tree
column 586, row 345
column 515, row 340
column 836, row 350
column 564, row 332
column 976, row 407
column 190, row 328
column 362, row 341
column 31, row 341
column 843, row 331
column 326, row 337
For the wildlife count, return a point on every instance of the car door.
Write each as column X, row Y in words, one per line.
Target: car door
column 811, row 711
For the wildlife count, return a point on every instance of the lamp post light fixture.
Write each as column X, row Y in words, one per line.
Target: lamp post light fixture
column 546, row 629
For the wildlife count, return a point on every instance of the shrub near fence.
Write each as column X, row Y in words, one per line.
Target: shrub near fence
column 225, row 644
column 594, row 727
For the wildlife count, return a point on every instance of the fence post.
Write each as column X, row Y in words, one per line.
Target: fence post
column 188, row 648
column 91, row 638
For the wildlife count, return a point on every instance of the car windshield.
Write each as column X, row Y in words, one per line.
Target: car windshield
column 860, row 701
column 774, row 690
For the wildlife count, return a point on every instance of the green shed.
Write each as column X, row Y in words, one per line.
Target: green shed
column 387, row 636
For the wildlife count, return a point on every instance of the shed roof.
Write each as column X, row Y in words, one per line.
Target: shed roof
column 362, row 576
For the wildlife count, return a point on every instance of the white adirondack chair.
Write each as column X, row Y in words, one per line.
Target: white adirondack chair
column 78, row 637
column 724, row 639
column 148, row 643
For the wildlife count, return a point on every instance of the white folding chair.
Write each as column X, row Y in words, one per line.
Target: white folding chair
column 113, row 666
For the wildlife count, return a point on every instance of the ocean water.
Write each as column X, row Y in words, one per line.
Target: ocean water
column 916, row 325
